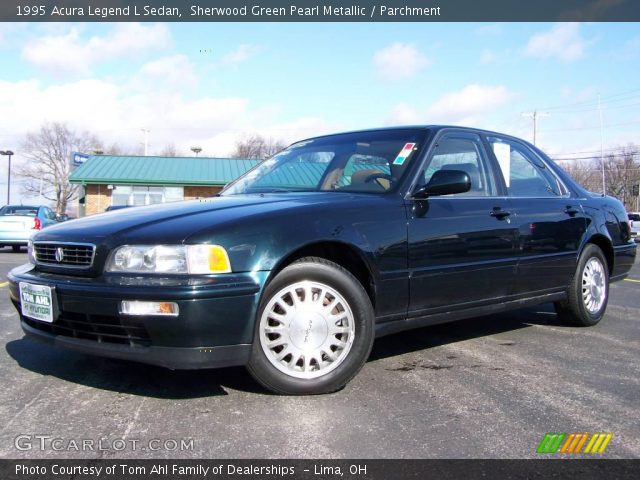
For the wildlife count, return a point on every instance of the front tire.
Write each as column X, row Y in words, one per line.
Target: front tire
column 314, row 329
column 588, row 290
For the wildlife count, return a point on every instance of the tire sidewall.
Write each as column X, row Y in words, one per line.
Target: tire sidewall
column 591, row 251
column 353, row 293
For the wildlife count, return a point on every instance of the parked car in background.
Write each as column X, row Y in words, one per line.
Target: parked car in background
column 19, row 222
column 634, row 224
column 295, row 267
column 111, row 208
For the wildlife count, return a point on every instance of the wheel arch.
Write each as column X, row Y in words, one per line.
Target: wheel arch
column 346, row 255
column 605, row 245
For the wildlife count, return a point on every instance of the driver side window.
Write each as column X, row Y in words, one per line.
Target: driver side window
column 465, row 153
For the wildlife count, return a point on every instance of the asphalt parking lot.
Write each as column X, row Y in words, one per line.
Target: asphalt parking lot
column 488, row 387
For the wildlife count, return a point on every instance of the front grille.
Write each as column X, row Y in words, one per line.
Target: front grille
column 99, row 328
column 74, row 255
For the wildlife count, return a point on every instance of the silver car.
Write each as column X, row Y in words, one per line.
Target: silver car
column 634, row 223
column 19, row 222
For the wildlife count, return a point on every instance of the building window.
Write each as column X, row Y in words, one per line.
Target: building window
column 139, row 195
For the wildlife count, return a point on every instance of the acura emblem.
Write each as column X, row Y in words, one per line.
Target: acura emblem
column 59, row 254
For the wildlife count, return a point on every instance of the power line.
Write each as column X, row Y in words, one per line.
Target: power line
column 586, row 158
column 615, row 97
column 614, row 149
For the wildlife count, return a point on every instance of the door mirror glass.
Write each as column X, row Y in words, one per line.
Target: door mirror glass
column 445, row 182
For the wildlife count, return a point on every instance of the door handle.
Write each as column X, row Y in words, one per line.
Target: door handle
column 499, row 213
column 570, row 210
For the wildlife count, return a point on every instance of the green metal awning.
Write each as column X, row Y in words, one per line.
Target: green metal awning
column 132, row 170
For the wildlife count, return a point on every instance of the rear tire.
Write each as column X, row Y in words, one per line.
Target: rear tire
column 314, row 329
column 588, row 290
column 15, row 248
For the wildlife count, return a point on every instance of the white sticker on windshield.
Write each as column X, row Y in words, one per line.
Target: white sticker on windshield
column 502, row 152
column 404, row 153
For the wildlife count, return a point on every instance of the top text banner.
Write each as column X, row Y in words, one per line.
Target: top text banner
column 318, row 11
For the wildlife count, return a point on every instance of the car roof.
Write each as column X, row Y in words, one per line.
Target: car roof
column 416, row 127
column 23, row 206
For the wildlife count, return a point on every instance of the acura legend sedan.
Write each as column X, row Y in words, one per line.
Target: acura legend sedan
column 295, row 267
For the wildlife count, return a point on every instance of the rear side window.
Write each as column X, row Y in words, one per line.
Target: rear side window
column 525, row 175
column 466, row 153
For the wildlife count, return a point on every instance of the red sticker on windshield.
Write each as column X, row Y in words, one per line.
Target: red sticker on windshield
column 404, row 153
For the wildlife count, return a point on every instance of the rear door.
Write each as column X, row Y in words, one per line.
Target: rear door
column 462, row 247
column 550, row 223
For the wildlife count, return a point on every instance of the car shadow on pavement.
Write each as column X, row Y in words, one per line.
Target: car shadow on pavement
column 127, row 377
column 447, row 333
column 157, row 382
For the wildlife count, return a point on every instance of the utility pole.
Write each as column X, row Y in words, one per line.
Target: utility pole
column 146, row 140
column 8, row 153
column 604, row 187
column 534, row 115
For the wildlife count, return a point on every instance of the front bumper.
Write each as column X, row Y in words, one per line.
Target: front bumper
column 213, row 329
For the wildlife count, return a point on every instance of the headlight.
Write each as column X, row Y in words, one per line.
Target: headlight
column 176, row 259
column 30, row 253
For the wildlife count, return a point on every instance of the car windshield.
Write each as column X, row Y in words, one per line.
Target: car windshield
column 19, row 210
column 365, row 162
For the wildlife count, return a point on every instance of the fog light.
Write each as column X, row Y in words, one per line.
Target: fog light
column 138, row 307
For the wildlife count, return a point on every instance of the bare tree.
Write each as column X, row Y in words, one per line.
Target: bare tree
column 48, row 153
column 621, row 172
column 169, row 150
column 582, row 172
column 256, row 146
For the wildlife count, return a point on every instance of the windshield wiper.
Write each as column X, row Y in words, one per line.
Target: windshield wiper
column 267, row 190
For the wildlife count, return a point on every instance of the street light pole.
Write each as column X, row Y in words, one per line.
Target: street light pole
column 8, row 153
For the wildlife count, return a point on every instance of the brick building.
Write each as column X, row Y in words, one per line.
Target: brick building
column 107, row 180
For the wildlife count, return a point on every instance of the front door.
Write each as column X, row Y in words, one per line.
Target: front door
column 462, row 247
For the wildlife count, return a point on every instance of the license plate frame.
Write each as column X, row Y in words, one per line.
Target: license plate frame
column 38, row 302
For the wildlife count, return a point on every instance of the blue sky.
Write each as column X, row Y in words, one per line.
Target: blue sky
column 208, row 84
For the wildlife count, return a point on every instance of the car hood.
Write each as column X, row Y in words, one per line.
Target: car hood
column 175, row 222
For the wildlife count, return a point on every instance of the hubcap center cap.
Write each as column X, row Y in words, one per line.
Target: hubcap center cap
column 308, row 330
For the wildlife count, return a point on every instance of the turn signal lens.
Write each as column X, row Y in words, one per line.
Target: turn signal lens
column 208, row 259
column 37, row 224
column 138, row 307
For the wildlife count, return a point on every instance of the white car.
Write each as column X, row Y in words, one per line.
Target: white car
column 634, row 223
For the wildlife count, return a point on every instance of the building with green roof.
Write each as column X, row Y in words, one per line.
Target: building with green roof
column 110, row 180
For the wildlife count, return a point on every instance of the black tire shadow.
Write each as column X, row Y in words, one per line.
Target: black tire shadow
column 158, row 382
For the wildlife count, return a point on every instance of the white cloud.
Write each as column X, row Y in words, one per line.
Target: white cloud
column 399, row 61
column 166, row 73
column 563, row 41
column 403, row 114
column 241, row 54
column 487, row 57
column 463, row 106
column 67, row 53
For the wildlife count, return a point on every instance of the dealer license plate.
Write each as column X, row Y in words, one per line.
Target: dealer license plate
column 36, row 302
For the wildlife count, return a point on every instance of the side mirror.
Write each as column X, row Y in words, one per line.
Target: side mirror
column 444, row 182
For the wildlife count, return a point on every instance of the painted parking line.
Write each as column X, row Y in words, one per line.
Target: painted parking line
column 4, row 284
column 632, row 280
